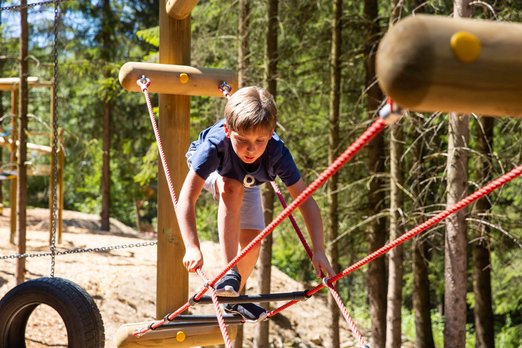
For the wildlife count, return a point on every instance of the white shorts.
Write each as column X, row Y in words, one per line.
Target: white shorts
column 251, row 213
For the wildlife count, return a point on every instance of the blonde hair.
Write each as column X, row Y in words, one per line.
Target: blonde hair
column 251, row 108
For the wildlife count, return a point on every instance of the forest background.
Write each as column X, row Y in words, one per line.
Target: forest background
column 96, row 38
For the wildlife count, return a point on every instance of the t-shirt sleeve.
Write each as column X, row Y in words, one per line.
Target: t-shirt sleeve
column 286, row 168
column 205, row 159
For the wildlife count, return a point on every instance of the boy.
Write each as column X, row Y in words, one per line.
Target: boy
column 230, row 159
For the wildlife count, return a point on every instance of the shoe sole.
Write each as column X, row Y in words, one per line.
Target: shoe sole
column 260, row 318
column 227, row 291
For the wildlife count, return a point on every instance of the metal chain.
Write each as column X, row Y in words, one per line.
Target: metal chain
column 35, row 4
column 54, row 155
column 80, row 250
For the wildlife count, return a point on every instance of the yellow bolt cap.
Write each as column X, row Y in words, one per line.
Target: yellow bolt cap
column 465, row 46
column 184, row 78
column 180, row 336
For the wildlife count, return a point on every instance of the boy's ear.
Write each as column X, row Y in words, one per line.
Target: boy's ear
column 227, row 131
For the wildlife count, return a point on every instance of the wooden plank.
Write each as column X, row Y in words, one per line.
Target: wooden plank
column 423, row 65
column 171, row 337
column 177, row 79
column 180, row 9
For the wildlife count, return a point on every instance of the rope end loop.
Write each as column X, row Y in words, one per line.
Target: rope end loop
column 225, row 88
column 143, row 82
column 391, row 112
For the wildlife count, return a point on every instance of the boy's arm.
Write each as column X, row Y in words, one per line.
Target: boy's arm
column 314, row 224
column 186, row 214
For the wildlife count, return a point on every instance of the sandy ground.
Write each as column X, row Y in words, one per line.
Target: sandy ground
column 123, row 282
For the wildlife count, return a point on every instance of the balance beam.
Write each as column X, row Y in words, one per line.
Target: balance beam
column 429, row 63
column 171, row 337
column 177, row 79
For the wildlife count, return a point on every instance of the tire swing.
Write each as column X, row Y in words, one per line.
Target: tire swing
column 75, row 306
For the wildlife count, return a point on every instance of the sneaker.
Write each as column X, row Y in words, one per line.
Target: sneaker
column 249, row 311
column 228, row 286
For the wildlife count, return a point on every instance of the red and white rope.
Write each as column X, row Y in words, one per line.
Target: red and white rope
column 143, row 83
column 217, row 307
column 346, row 315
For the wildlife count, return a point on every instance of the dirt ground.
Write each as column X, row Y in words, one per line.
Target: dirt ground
column 123, row 282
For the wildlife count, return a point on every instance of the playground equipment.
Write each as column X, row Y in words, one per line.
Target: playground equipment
column 183, row 331
column 11, row 84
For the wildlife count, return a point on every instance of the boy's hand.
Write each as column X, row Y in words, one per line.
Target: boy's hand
column 322, row 265
column 193, row 259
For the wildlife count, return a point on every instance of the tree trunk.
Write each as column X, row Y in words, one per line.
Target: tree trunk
column 244, row 51
column 420, row 250
column 455, row 253
column 483, row 311
column 396, row 255
column 243, row 62
column 107, row 110
column 421, row 294
column 332, row 340
column 261, row 338
column 22, row 150
column 377, row 230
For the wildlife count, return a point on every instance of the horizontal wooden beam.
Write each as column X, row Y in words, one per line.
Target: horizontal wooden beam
column 10, row 83
column 430, row 63
column 177, row 79
column 180, row 9
column 171, row 337
column 30, row 146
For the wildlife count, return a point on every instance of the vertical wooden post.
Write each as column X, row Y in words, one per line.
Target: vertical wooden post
column 174, row 125
column 12, row 165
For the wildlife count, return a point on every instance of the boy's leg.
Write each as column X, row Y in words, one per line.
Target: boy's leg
column 230, row 194
column 252, row 222
column 248, row 262
column 248, row 221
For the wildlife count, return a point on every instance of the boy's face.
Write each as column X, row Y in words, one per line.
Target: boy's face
column 249, row 146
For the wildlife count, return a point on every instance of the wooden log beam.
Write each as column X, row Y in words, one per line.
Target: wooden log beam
column 171, row 337
column 180, row 9
column 177, row 79
column 30, row 146
column 10, row 83
column 430, row 63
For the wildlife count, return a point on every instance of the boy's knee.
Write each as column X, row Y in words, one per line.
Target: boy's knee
column 232, row 190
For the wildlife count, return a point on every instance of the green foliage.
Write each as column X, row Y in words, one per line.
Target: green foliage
column 149, row 35
column 510, row 336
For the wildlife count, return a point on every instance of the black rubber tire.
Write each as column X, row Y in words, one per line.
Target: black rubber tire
column 75, row 306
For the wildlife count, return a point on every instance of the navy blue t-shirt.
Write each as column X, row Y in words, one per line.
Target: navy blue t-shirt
column 213, row 151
